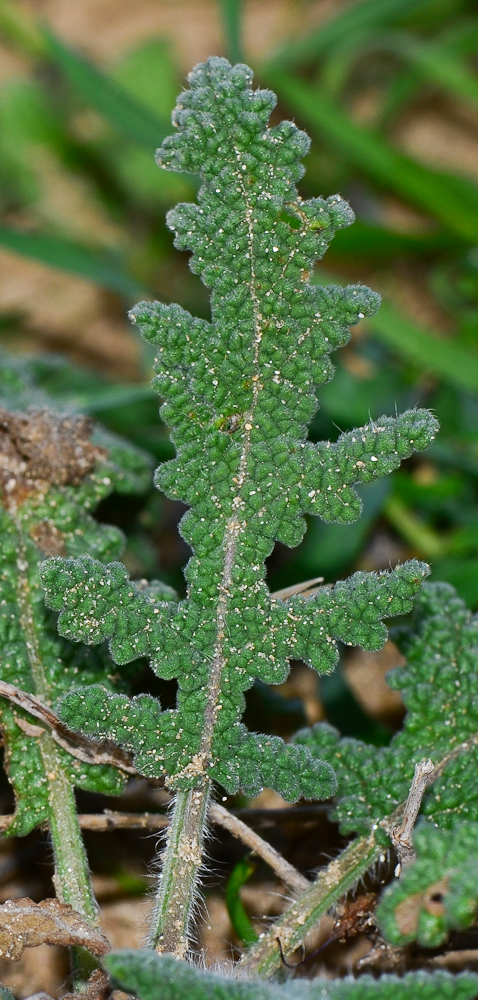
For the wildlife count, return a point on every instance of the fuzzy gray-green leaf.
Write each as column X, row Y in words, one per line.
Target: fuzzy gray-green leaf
column 239, row 393
column 160, row 977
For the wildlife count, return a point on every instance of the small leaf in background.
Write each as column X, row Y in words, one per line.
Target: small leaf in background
column 438, row 892
column 240, row 921
column 53, row 474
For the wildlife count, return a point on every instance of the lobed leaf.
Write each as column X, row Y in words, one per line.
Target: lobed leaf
column 438, row 686
column 103, row 604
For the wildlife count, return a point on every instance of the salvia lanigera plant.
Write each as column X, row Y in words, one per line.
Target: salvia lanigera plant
column 240, row 392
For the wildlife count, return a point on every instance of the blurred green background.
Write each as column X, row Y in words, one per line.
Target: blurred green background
column 388, row 92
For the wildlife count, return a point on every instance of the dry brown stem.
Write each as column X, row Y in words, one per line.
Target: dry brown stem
column 77, row 745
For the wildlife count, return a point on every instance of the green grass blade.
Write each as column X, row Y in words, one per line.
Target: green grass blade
column 238, row 916
column 451, row 200
column 130, row 117
column 437, row 63
column 364, row 239
column 74, row 258
column 436, row 355
column 355, row 17
column 231, row 14
column 441, row 357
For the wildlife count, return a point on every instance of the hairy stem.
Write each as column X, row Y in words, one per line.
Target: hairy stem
column 264, row 958
column 71, row 878
column 182, row 860
column 71, row 875
column 183, row 855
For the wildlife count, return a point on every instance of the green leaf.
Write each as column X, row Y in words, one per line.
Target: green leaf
column 239, row 394
column 103, row 604
column 438, row 892
column 360, row 456
column 160, row 977
column 240, row 874
column 437, row 685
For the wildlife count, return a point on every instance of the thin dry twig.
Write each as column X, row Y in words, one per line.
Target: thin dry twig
column 112, row 820
column 92, row 753
column 307, row 588
column 402, row 835
column 455, row 959
column 286, row 872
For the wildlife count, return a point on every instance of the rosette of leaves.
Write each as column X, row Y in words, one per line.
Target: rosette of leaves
column 53, row 473
column 438, row 685
column 438, row 892
column 239, row 394
column 160, row 977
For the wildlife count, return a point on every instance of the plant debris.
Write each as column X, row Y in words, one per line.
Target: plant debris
column 25, row 924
